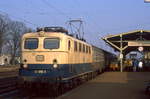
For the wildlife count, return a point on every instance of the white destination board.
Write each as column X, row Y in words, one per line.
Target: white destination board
column 133, row 43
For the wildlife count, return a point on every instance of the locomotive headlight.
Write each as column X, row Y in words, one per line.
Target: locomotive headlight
column 25, row 66
column 55, row 65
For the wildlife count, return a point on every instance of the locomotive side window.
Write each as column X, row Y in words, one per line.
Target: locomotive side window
column 86, row 49
column 69, row 45
column 89, row 50
column 80, row 47
column 83, row 48
column 75, row 46
column 51, row 43
column 31, row 43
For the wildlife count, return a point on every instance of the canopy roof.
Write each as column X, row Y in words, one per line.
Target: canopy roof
column 129, row 41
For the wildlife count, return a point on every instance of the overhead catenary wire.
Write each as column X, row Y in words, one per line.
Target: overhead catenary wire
column 30, row 4
column 56, row 9
column 20, row 19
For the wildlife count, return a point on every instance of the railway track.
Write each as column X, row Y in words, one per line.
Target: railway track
column 7, row 85
column 8, row 82
column 8, row 74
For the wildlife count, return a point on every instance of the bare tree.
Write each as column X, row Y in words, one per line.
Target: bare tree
column 3, row 30
column 10, row 36
column 16, row 30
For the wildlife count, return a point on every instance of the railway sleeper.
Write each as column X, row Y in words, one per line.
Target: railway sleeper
column 8, row 89
column 7, row 85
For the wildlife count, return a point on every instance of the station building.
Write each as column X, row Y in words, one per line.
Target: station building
column 135, row 41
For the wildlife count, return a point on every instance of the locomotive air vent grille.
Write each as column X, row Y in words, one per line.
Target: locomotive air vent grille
column 40, row 58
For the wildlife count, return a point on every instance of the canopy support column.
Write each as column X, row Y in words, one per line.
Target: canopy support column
column 121, row 54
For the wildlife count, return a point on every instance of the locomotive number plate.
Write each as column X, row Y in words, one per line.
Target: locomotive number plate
column 40, row 71
column 39, row 58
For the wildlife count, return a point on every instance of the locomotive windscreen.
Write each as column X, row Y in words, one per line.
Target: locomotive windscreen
column 31, row 43
column 51, row 43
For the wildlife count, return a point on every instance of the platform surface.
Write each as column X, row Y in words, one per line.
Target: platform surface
column 112, row 85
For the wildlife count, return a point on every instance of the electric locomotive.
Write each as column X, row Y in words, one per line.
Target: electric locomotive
column 53, row 57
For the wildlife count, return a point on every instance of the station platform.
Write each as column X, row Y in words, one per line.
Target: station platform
column 112, row 85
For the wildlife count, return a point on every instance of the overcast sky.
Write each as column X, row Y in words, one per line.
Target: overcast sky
column 101, row 17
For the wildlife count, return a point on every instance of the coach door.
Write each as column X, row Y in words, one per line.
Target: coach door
column 70, row 51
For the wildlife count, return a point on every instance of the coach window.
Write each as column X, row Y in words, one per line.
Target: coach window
column 51, row 43
column 31, row 43
column 69, row 45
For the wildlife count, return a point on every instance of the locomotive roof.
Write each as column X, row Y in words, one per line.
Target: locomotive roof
column 53, row 29
column 59, row 34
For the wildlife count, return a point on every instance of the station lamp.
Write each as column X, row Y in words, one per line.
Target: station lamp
column 147, row 1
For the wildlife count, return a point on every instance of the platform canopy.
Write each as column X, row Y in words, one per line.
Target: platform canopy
column 129, row 41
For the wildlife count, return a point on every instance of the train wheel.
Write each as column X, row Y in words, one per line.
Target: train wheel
column 147, row 90
column 89, row 76
column 86, row 78
column 53, row 90
column 78, row 81
column 93, row 75
column 49, row 89
column 23, row 90
column 56, row 91
column 71, row 84
column 65, row 87
column 61, row 88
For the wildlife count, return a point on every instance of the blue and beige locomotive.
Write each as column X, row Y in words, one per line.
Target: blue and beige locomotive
column 53, row 57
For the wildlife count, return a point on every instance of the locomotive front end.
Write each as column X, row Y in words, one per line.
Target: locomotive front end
column 43, row 58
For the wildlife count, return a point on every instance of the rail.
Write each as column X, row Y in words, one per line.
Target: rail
column 8, row 84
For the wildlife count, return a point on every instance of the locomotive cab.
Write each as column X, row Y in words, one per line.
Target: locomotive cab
column 44, row 55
